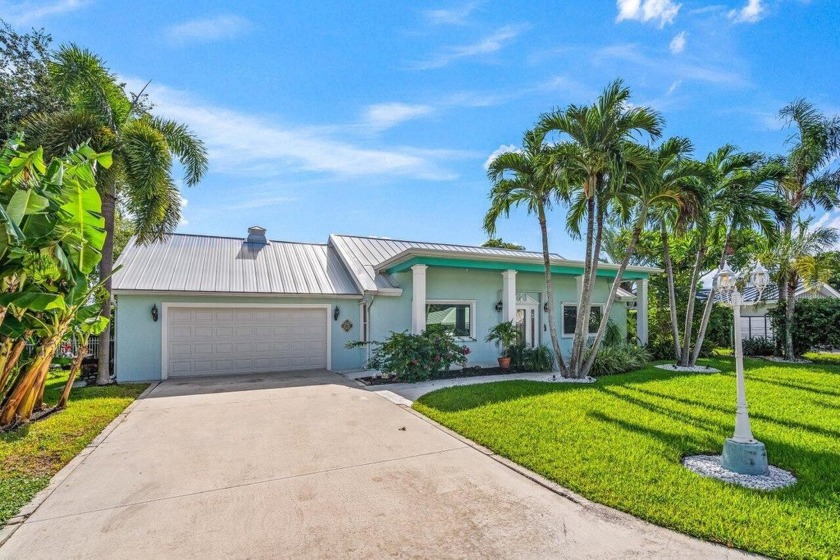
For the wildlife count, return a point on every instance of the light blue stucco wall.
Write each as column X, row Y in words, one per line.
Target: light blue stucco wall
column 484, row 287
column 138, row 337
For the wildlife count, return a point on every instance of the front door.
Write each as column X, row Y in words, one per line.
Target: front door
column 527, row 321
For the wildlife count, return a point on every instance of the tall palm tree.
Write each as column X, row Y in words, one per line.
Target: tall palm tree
column 526, row 178
column 809, row 183
column 739, row 198
column 595, row 144
column 143, row 147
column 799, row 258
column 665, row 184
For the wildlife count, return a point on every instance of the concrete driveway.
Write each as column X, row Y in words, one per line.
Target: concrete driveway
column 310, row 465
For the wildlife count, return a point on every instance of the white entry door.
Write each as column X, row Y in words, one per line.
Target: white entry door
column 527, row 321
column 241, row 340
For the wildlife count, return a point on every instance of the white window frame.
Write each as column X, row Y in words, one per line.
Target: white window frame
column 470, row 302
column 563, row 307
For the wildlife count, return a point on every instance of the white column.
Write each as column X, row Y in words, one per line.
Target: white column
column 418, row 302
column 508, row 295
column 642, row 310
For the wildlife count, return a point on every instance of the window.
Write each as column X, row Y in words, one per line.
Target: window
column 570, row 318
column 455, row 315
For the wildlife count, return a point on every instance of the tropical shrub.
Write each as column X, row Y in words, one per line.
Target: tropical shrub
column 537, row 359
column 416, row 357
column 506, row 334
column 620, row 358
column 816, row 324
column 758, row 346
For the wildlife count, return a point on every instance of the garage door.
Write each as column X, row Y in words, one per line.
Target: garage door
column 224, row 341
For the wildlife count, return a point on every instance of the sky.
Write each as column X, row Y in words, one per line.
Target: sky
column 378, row 118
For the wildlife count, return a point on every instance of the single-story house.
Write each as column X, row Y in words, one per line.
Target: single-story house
column 204, row 305
column 755, row 321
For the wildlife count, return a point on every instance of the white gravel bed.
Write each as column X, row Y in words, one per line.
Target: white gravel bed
column 786, row 361
column 557, row 378
column 693, row 369
column 709, row 465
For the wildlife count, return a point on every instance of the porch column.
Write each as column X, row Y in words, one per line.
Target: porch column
column 642, row 311
column 418, row 302
column 508, row 295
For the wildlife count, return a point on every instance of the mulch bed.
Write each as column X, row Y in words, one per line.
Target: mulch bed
column 452, row 374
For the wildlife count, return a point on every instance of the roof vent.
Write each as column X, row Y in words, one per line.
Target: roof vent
column 256, row 234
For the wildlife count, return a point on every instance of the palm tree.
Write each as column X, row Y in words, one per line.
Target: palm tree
column 808, row 182
column 526, row 177
column 796, row 259
column 665, row 184
column 596, row 141
column 738, row 199
column 143, row 148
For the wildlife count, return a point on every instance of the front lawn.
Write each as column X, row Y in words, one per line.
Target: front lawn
column 619, row 442
column 30, row 455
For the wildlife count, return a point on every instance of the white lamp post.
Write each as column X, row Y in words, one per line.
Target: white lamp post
column 742, row 453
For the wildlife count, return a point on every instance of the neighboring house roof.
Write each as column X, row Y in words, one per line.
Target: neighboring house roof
column 771, row 293
column 205, row 264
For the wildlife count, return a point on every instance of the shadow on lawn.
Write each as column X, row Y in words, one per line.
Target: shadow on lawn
column 796, row 386
column 811, row 467
column 466, row 397
column 731, row 410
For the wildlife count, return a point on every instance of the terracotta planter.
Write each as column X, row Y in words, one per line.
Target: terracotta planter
column 504, row 363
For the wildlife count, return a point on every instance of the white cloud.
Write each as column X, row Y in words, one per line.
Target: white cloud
column 25, row 13
column 674, row 87
column 452, row 16
column 754, row 11
column 244, row 144
column 206, row 30
column 648, row 10
column 830, row 219
column 694, row 71
column 503, row 149
column 677, row 44
column 385, row 115
column 492, row 43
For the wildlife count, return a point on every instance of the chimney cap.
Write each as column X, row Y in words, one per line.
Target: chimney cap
column 256, row 234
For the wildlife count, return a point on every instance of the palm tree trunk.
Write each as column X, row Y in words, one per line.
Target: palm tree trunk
column 582, row 322
column 605, row 316
column 692, row 300
column 710, row 303
column 74, row 371
column 790, row 312
column 106, row 267
column 784, row 282
column 672, row 292
column 6, row 348
column 559, row 364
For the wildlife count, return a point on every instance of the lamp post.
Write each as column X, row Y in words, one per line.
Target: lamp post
column 742, row 453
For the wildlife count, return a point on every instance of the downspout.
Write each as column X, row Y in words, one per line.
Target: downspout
column 368, row 305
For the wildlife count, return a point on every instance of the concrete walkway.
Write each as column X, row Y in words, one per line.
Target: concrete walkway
column 312, row 466
column 413, row 391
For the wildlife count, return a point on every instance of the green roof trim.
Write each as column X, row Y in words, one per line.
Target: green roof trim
column 502, row 265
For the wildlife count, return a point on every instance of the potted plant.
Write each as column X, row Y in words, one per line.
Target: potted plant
column 507, row 335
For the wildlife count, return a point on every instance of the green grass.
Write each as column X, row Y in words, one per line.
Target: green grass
column 32, row 454
column 619, row 442
column 830, row 358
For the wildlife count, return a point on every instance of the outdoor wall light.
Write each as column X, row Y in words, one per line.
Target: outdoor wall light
column 154, row 313
column 545, row 307
column 499, row 307
column 336, row 313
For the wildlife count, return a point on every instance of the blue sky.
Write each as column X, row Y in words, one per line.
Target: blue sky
column 377, row 119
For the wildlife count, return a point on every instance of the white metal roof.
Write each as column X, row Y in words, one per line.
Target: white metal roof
column 363, row 256
column 206, row 264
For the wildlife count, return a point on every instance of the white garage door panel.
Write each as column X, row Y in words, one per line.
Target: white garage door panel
column 207, row 341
